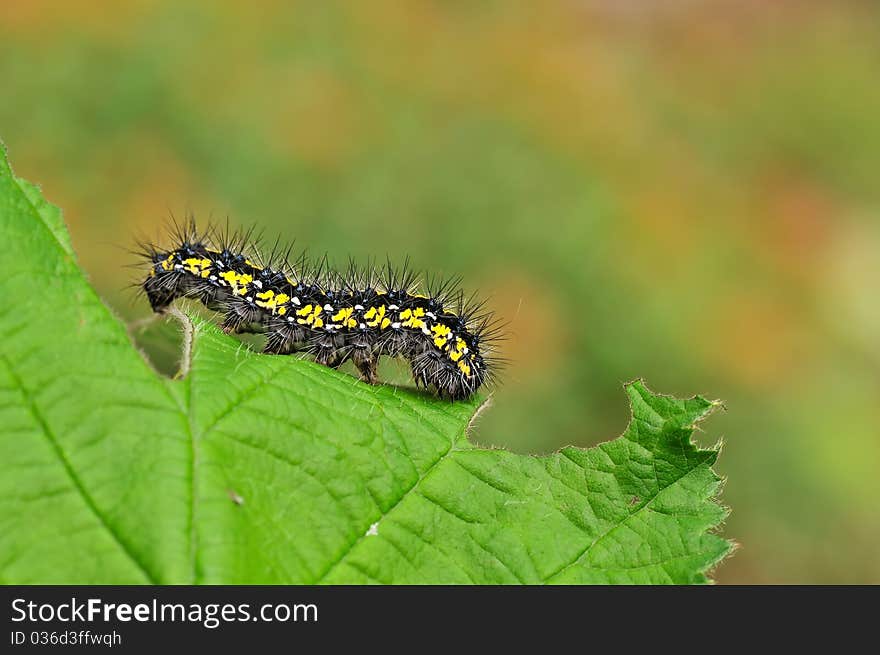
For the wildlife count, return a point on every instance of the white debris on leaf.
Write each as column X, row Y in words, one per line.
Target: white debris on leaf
column 373, row 531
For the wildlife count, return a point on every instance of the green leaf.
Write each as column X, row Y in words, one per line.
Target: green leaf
column 261, row 469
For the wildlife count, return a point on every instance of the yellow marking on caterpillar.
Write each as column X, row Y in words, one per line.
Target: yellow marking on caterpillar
column 312, row 315
column 244, row 280
column 168, row 263
column 274, row 302
column 465, row 368
column 343, row 316
column 411, row 318
column 376, row 316
column 197, row 266
column 460, row 349
column 238, row 282
column 231, row 277
column 266, row 299
column 441, row 335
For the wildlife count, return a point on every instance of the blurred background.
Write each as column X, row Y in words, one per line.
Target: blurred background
column 689, row 190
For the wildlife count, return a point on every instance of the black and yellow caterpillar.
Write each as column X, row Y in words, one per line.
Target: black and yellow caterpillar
column 360, row 316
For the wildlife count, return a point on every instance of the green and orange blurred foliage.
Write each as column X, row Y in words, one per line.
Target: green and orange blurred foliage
column 685, row 192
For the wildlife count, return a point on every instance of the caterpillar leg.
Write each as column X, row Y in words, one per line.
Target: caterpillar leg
column 328, row 349
column 366, row 364
column 232, row 323
column 242, row 321
column 329, row 357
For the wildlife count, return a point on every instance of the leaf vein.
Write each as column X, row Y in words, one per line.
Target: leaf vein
column 71, row 473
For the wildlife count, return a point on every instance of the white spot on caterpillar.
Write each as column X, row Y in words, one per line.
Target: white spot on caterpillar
column 393, row 307
column 296, row 301
column 358, row 307
column 396, row 326
column 258, row 284
column 431, row 315
column 328, row 307
column 373, row 531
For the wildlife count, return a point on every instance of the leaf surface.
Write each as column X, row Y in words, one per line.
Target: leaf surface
column 261, row 469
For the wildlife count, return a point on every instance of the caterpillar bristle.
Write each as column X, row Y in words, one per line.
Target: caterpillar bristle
column 303, row 305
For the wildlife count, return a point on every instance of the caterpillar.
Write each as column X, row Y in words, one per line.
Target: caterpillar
column 448, row 340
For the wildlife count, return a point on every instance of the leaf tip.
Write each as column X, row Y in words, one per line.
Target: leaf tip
column 646, row 403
